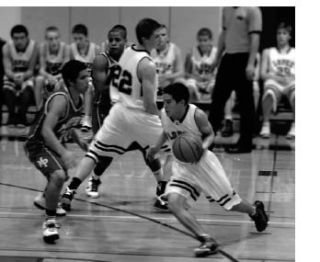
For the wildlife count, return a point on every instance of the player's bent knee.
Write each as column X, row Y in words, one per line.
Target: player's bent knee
column 176, row 202
column 58, row 177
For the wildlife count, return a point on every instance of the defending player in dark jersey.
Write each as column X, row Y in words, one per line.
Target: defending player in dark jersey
column 44, row 145
column 105, row 95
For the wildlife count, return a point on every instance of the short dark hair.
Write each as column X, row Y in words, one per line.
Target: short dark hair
column 71, row 70
column 52, row 28
column 178, row 91
column 145, row 28
column 119, row 28
column 80, row 29
column 285, row 26
column 205, row 31
column 17, row 29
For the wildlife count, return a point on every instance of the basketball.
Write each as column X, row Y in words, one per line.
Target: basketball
column 187, row 148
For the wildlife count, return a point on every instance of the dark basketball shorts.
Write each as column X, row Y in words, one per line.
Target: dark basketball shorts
column 45, row 160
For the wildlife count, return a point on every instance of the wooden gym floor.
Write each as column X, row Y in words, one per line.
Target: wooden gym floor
column 122, row 224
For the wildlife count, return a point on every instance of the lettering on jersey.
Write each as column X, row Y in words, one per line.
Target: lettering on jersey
column 20, row 65
column 163, row 67
column 174, row 134
column 121, row 79
column 203, row 68
column 42, row 162
column 283, row 66
column 53, row 68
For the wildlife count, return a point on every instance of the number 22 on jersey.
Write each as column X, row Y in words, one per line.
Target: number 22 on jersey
column 121, row 79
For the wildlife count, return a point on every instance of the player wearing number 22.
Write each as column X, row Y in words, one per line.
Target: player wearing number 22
column 206, row 175
column 134, row 120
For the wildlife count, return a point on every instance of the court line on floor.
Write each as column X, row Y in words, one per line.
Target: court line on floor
column 219, row 250
column 171, row 219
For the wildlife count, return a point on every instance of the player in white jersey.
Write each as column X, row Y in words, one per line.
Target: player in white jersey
column 53, row 55
column 85, row 51
column 19, row 60
column 134, row 120
column 168, row 60
column 278, row 73
column 207, row 175
column 200, row 79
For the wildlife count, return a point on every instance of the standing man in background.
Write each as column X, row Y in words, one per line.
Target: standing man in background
column 237, row 49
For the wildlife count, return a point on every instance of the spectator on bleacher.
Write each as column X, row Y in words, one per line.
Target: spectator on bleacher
column 53, row 55
column 82, row 49
column 278, row 73
column 237, row 48
column 2, row 42
column 168, row 60
column 200, row 79
column 19, row 59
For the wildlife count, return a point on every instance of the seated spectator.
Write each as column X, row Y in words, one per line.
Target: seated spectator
column 19, row 59
column 278, row 73
column 200, row 78
column 168, row 60
column 53, row 55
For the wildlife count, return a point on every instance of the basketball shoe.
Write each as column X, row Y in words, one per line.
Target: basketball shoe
column 207, row 247
column 227, row 129
column 265, row 130
column 260, row 217
column 291, row 134
column 67, row 198
column 40, row 202
column 92, row 188
column 50, row 230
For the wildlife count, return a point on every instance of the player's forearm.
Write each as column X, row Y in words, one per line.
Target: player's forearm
column 208, row 141
column 254, row 48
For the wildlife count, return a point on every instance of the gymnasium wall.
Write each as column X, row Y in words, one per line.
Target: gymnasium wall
column 183, row 22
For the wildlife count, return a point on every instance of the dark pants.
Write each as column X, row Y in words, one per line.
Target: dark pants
column 232, row 76
column 22, row 101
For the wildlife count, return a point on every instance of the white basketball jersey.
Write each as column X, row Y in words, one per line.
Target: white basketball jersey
column 175, row 128
column 282, row 64
column 88, row 58
column 201, row 63
column 126, row 79
column 20, row 60
column 164, row 60
column 54, row 61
